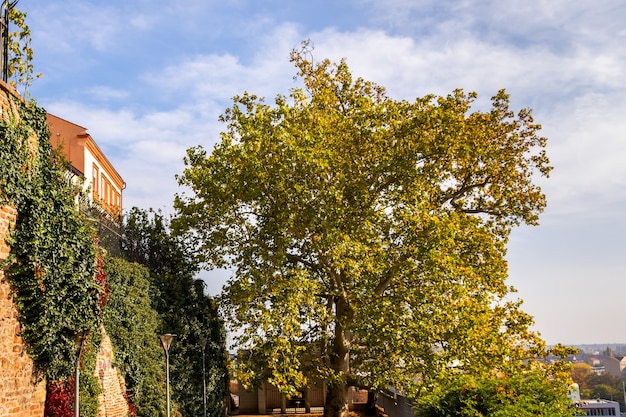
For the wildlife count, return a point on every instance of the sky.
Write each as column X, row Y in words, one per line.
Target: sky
column 149, row 78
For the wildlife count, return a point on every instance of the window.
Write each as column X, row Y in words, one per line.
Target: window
column 102, row 182
column 600, row 412
column 106, row 191
column 95, row 182
column 118, row 201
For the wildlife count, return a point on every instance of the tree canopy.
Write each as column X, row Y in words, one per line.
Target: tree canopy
column 367, row 231
column 183, row 309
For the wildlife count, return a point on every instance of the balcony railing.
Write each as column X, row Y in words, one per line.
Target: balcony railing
column 109, row 226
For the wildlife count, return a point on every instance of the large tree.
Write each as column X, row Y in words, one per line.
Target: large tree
column 368, row 231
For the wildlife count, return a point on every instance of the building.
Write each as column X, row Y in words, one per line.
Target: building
column 598, row 407
column 614, row 365
column 268, row 400
column 595, row 407
column 100, row 181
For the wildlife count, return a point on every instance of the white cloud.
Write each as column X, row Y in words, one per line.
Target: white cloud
column 564, row 59
column 583, row 129
column 106, row 93
column 219, row 77
column 588, row 152
column 76, row 24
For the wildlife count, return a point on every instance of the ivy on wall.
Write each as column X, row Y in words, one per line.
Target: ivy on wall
column 64, row 286
column 53, row 259
column 89, row 385
column 60, row 394
column 132, row 325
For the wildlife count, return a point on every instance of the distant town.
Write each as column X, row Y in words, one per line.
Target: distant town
column 599, row 375
column 598, row 348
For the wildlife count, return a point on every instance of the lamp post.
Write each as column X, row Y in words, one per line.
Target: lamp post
column 80, row 341
column 4, row 25
column 203, row 346
column 166, row 341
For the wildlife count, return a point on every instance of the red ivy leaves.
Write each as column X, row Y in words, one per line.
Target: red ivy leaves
column 101, row 279
column 132, row 411
column 60, row 394
column 60, row 398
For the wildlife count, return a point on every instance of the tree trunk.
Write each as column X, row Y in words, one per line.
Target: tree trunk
column 337, row 392
column 336, row 401
column 307, row 401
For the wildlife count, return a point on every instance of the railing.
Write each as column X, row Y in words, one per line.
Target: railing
column 109, row 227
column 394, row 405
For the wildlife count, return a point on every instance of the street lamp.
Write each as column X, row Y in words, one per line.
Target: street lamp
column 4, row 28
column 166, row 341
column 80, row 341
column 202, row 346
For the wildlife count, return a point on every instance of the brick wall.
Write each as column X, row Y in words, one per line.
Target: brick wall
column 20, row 395
column 111, row 403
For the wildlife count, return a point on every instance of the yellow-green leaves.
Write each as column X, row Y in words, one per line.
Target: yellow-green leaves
column 20, row 59
column 367, row 228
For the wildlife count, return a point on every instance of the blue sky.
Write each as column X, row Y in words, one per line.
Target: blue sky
column 148, row 78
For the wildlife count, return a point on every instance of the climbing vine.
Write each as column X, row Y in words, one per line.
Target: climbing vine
column 60, row 398
column 60, row 394
column 89, row 386
column 133, row 328
column 56, row 268
column 20, row 60
column 53, row 259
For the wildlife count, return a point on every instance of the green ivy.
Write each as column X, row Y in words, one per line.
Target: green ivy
column 132, row 325
column 89, row 386
column 59, row 291
column 53, row 258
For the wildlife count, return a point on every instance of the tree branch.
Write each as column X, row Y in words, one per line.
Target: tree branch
column 298, row 259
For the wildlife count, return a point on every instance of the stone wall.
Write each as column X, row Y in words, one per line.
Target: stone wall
column 20, row 394
column 111, row 403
